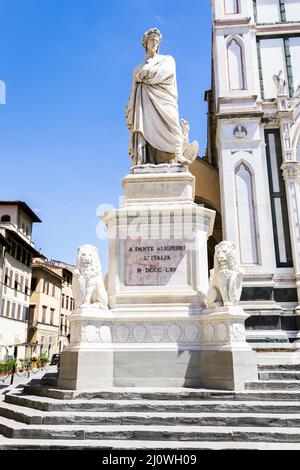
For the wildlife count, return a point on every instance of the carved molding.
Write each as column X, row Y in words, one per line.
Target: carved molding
column 291, row 171
column 136, row 332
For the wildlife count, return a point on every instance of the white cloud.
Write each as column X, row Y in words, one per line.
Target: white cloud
column 159, row 19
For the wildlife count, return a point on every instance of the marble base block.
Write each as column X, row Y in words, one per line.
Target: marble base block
column 227, row 360
column 157, row 331
column 86, row 370
column 87, row 363
column 161, row 368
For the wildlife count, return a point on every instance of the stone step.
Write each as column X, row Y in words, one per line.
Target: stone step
column 50, row 379
column 190, row 406
column 278, row 375
column 38, row 444
column 279, row 367
column 15, row 430
column 174, row 395
column 28, row 416
column 273, row 385
column 128, row 393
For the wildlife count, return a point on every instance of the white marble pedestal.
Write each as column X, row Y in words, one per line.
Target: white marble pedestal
column 87, row 362
column 227, row 360
column 158, row 276
column 157, row 332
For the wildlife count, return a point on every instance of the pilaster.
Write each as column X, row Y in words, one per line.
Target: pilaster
column 291, row 175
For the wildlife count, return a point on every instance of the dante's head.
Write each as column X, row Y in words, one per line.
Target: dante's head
column 152, row 40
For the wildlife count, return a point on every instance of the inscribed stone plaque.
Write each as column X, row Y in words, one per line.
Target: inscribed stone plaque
column 155, row 262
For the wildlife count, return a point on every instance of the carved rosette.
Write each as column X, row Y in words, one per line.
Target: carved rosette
column 291, row 171
column 215, row 332
column 237, row 332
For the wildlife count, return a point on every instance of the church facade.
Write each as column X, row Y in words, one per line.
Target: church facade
column 254, row 145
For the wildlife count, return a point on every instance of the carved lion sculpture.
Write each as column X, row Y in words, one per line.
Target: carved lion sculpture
column 88, row 285
column 225, row 283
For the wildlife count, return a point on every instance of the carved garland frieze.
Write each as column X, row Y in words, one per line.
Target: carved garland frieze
column 135, row 332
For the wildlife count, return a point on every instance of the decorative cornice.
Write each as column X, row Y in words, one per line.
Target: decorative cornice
column 275, row 29
column 225, row 22
column 241, row 115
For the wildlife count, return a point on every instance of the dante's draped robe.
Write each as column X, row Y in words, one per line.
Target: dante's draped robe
column 152, row 113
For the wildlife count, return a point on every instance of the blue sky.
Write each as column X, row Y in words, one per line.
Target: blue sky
column 67, row 65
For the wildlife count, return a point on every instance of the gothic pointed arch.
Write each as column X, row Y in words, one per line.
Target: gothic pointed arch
column 235, row 64
column 246, row 213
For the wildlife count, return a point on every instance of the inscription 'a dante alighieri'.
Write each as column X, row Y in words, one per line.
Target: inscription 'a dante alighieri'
column 155, row 262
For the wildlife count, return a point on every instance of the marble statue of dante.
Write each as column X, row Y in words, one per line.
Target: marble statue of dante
column 152, row 110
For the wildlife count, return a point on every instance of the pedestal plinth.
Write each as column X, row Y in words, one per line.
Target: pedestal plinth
column 87, row 362
column 158, row 332
column 158, row 277
column 227, row 360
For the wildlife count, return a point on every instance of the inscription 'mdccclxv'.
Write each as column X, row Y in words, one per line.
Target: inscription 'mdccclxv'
column 152, row 262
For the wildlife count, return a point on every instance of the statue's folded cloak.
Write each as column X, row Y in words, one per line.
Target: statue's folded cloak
column 152, row 110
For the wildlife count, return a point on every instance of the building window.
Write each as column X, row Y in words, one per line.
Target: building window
column 24, row 256
column 231, row 7
column 8, row 308
column 246, row 219
column 33, row 284
column 44, row 314
column 19, row 312
column 5, row 218
column 11, row 275
column 27, row 289
column 63, row 301
column 3, row 307
column 52, row 311
column 282, row 241
column 67, row 302
column 19, row 253
column 46, row 287
column 22, row 284
column 53, row 290
column 25, row 313
column 31, row 314
column 13, row 249
column 17, row 284
column 235, row 65
column 6, row 278
column 13, row 310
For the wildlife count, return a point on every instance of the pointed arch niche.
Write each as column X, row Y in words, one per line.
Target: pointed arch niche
column 246, row 214
column 231, row 7
column 235, row 64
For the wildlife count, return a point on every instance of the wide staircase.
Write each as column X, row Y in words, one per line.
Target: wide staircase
column 265, row 416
